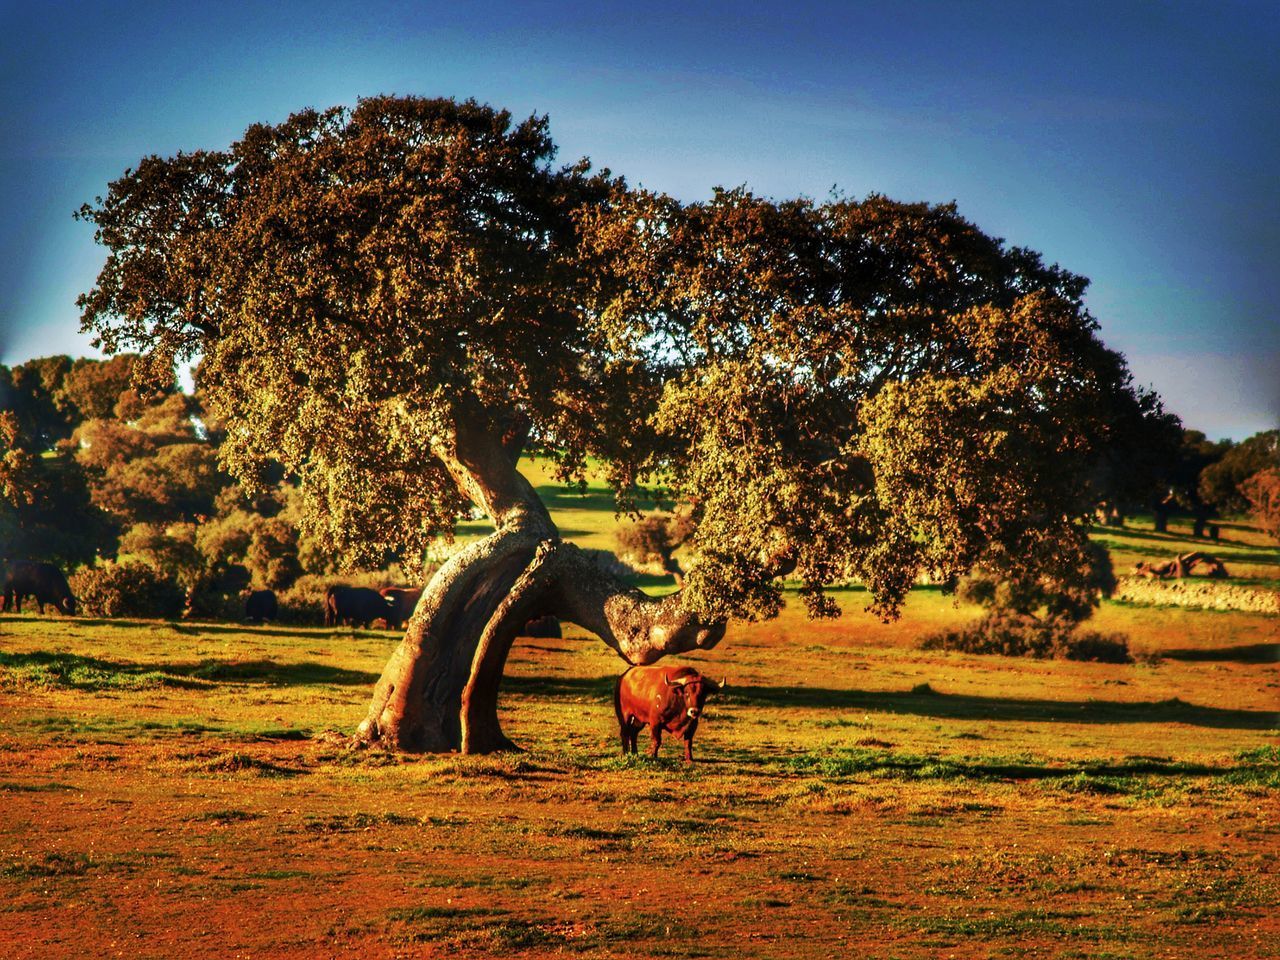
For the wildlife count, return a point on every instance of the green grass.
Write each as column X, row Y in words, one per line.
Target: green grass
column 854, row 795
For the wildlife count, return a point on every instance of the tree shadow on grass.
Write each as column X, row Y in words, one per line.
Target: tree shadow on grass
column 301, row 629
column 941, row 706
column 93, row 673
column 1131, row 533
column 1243, row 653
column 946, row 706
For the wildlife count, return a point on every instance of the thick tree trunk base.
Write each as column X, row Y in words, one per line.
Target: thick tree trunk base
column 439, row 691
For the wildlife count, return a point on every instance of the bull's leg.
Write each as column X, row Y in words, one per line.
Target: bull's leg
column 688, row 749
column 625, row 736
column 657, row 741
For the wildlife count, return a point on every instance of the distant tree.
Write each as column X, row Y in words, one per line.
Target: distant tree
column 1221, row 482
column 1194, row 455
column 45, row 508
column 169, row 549
column 1140, row 454
column 32, row 392
column 105, row 389
column 155, row 470
column 266, row 546
column 1262, row 490
column 655, row 539
column 1037, row 610
column 393, row 301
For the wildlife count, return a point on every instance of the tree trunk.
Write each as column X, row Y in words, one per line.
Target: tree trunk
column 439, row 690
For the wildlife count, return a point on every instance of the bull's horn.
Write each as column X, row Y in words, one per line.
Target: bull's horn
column 674, row 683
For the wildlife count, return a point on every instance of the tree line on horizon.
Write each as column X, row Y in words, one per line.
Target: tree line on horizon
column 95, row 472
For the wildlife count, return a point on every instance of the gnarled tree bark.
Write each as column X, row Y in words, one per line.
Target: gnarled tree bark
column 439, row 690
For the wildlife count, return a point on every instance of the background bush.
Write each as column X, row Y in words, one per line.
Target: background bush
column 127, row 590
column 1017, row 635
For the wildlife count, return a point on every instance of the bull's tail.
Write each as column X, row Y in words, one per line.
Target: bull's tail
column 617, row 699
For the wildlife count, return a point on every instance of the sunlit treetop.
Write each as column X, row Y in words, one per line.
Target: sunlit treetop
column 860, row 389
column 355, row 279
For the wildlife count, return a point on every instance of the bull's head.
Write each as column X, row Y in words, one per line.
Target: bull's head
column 693, row 690
column 68, row 605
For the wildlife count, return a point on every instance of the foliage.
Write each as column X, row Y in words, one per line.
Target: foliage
column 1195, row 455
column 102, row 389
column 352, row 276
column 265, row 545
column 169, row 549
column 1015, row 635
column 52, row 395
column 1065, row 587
column 32, row 393
column 1031, row 612
column 1262, row 490
column 1222, row 482
column 1139, row 455
column 654, row 539
column 45, row 508
column 112, row 589
column 156, row 469
column 866, row 389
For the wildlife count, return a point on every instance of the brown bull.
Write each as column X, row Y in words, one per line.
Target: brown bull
column 661, row 698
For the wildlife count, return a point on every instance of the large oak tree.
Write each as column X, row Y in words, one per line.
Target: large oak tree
column 395, row 300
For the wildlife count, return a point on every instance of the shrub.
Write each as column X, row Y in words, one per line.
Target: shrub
column 127, row 590
column 651, row 542
column 1013, row 635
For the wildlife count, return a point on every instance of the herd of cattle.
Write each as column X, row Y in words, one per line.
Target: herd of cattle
column 352, row 606
column 343, row 606
column 663, row 698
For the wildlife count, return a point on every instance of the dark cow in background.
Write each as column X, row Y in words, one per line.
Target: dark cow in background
column 542, row 628
column 660, row 698
column 402, row 600
column 261, row 606
column 355, row 606
column 44, row 581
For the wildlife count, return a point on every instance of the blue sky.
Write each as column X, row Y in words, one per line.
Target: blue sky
column 1135, row 143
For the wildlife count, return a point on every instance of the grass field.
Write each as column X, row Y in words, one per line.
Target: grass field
column 185, row 790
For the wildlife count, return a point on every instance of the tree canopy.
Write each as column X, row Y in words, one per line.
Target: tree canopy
column 392, row 301
column 1222, row 481
column 847, row 388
